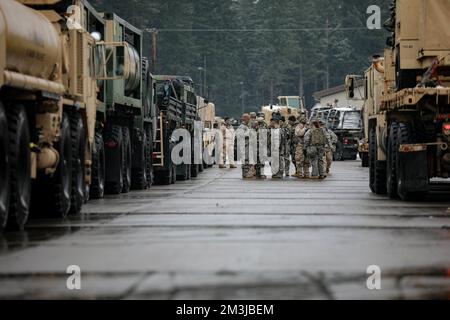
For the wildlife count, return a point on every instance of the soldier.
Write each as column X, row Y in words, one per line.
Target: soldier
column 227, row 132
column 287, row 148
column 261, row 129
column 301, row 164
column 330, row 147
column 253, row 121
column 278, row 139
column 248, row 170
column 315, row 142
column 292, row 124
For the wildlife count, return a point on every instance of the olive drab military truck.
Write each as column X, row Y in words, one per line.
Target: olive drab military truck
column 48, row 85
column 176, row 108
column 287, row 106
column 126, row 119
column 409, row 126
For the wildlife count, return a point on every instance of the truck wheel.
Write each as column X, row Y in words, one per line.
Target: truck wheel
column 78, row 137
column 97, row 189
column 377, row 168
column 139, row 170
column 201, row 167
column 173, row 170
column 127, row 160
column 149, row 157
column 53, row 192
column 392, row 154
column 194, row 170
column 365, row 159
column 114, row 159
column 405, row 136
column 20, row 166
column 4, row 169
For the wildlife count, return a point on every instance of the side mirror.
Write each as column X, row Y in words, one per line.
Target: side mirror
column 350, row 86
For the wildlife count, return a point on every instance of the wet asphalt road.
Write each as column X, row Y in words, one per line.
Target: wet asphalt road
column 218, row 237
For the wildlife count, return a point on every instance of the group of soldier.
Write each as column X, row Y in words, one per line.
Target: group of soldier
column 309, row 145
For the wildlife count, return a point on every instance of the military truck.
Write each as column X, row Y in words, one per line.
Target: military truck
column 409, row 126
column 121, row 157
column 287, row 106
column 47, row 109
column 176, row 108
column 346, row 124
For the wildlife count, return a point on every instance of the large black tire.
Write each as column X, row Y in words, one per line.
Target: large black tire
column 406, row 136
column 52, row 193
column 149, row 156
column 97, row 190
column 392, row 155
column 364, row 159
column 195, row 170
column 114, row 159
column 339, row 153
column 127, row 160
column 78, row 137
column 139, row 180
column 377, row 168
column 20, row 167
column 4, row 169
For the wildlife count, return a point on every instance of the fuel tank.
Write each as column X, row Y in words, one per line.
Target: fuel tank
column 32, row 43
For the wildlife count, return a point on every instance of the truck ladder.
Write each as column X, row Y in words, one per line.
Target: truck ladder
column 158, row 153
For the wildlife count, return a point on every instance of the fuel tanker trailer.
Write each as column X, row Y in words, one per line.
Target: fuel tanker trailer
column 48, row 105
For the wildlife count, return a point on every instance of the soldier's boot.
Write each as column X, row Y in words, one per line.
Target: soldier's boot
column 233, row 166
column 222, row 166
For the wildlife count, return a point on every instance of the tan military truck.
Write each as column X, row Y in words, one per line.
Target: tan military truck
column 286, row 105
column 207, row 113
column 409, row 124
column 373, row 80
column 48, row 105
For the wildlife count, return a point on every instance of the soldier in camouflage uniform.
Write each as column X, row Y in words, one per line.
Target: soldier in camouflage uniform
column 301, row 164
column 263, row 136
column 315, row 143
column 287, row 148
column 278, row 138
column 330, row 147
column 292, row 124
column 248, row 169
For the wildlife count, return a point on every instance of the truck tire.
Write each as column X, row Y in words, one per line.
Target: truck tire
column 406, row 136
column 377, row 168
column 4, row 169
column 127, row 160
column 149, row 156
column 392, row 154
column 53, row 193
column 78, row 138
column 97, row 190
column 364, row 159
column 185, row 174
column 114, row 156
column 139, row 179
column 20, row 166
column 194, row 170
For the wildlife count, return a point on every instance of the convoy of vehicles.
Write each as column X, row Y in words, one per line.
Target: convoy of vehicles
column 80, row 113
column 407, row 110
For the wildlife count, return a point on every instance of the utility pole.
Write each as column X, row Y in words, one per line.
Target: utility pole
column 200, row 69
column 242, row 98
column 154, row 33
column 301, row 86
column 206, row 93
column 327, row 65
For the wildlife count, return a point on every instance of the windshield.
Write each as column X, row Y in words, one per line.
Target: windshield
column 352, row 120
column 294, row 102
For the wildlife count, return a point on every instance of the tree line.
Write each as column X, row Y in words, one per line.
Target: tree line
column 251, row 51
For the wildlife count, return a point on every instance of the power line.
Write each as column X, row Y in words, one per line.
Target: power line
column 261, row 30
